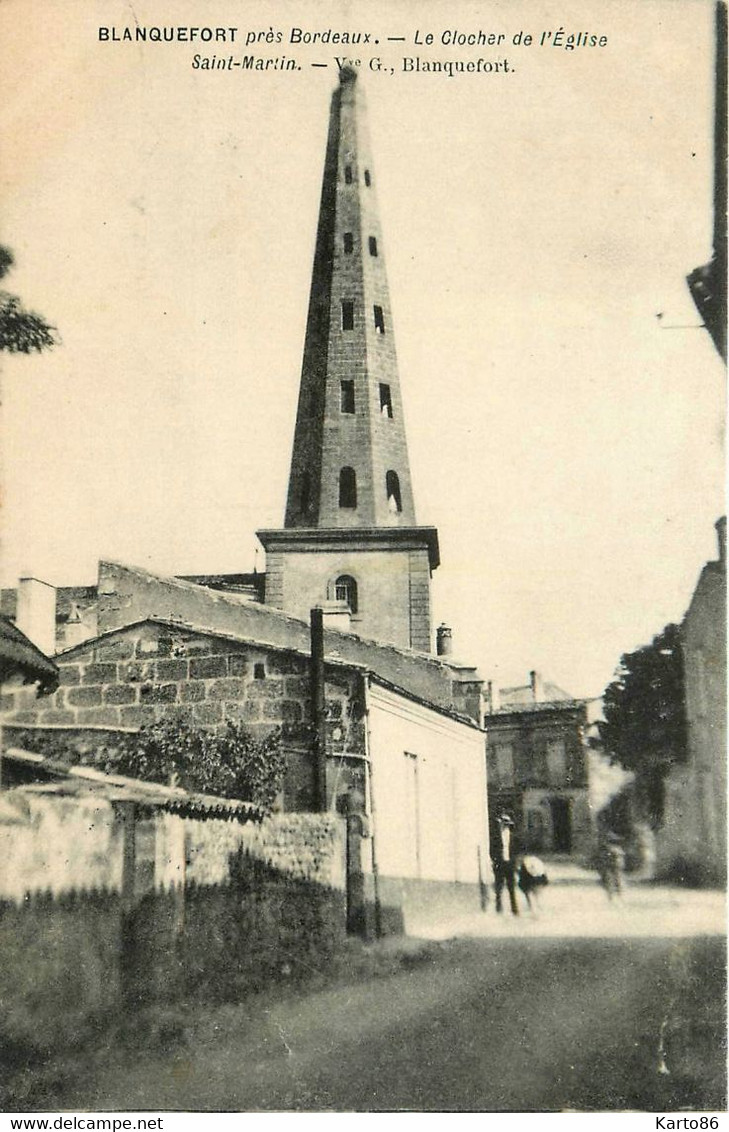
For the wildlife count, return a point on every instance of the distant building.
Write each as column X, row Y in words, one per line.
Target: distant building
column 692, row 839
column 537, row 766
column 707, row 283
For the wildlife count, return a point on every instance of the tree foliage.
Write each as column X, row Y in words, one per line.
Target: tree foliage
column 233, row 764
column 644, row 725
column 21, row 331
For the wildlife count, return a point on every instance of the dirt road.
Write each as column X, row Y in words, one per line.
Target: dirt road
column 522, row 1016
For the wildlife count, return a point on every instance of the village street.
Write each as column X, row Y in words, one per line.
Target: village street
column 587, row 1005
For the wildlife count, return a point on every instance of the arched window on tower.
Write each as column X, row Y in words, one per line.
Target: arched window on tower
column 368, row 178
column 348, row 487
column 392, row 484
column 345, row 589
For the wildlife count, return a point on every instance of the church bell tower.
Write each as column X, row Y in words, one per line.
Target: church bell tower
column 350, row 532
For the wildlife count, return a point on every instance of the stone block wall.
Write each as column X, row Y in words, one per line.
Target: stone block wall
column 306, row 846
column 150, row 672
column 127, row 596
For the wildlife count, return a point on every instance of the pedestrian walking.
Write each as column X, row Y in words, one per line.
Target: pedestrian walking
column 504, row 853
column 611, row 865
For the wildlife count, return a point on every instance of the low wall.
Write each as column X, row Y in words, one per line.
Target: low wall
column 60, row 972
column 259, row 904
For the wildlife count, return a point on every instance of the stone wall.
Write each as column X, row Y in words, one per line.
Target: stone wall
column 151, row 672
column 57, row 845
column 129, row 595
column 259, row 904
column 301, row 845
column 696, row 794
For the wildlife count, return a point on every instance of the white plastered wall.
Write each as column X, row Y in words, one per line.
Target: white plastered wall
column 429, row 792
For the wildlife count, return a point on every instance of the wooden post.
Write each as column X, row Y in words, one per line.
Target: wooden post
column 371, row 808
column 356, row 919
column 318, row 709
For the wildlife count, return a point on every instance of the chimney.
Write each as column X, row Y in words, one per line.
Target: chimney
column 492, row 696
column 721, row 538
column 444, row 640
column 36, row 613
column 537, row 685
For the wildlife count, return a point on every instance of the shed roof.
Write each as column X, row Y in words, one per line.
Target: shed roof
column 63, row 779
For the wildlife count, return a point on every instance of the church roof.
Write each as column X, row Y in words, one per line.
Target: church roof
column 128, row 595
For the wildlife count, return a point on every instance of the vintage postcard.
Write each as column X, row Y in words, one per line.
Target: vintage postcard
column 363, row 595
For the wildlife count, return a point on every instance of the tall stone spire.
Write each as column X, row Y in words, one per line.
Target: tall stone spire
column 349, row 445
column 350, row 531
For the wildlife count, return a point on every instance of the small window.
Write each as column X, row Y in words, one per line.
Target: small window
column 379, row 320
column 348, row 174
column 348, row 243
column 347, row 314
column 556, row 762
column 385, row 401
column 503, row 763
column 368, row 179
column 346, row 396
column 259, row 671
column 373, row 245
column 347, row 488
column 345, row 589
column 392, row 484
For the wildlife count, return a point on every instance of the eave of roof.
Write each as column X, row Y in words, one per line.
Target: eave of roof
column 239, row 639
column 451, row 713
column 263, row 613
column 532, row 709
column 119, row 788
column 178, row 625
column 19, row 656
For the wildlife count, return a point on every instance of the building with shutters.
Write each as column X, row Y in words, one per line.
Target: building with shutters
column 537, row 766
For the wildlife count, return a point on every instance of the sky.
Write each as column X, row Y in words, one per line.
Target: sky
column 564, row 409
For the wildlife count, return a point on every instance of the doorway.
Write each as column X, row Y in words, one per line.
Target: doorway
column 561, row 825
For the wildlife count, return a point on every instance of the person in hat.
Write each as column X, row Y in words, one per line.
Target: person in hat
column 611, row 864
column 504, row 853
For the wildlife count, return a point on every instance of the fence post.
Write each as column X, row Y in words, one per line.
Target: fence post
column 127, row 954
